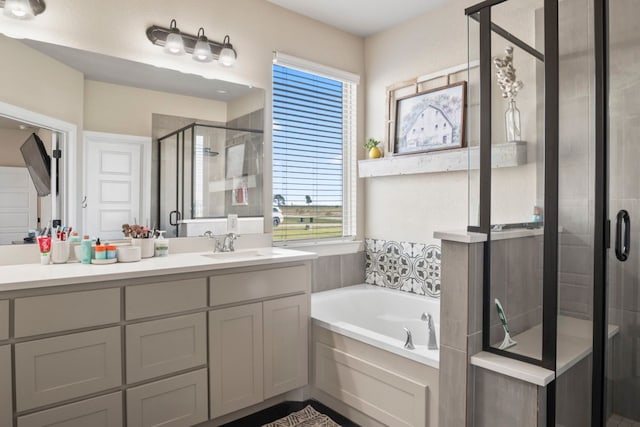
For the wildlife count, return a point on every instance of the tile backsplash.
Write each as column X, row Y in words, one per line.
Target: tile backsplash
column 410, row 267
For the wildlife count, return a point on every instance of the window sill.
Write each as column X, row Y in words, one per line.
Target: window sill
column 333, row 247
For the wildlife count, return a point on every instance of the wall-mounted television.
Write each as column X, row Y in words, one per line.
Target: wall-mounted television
column 38, row 163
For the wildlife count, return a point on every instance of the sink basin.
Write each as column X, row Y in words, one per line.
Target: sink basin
column 234, row 255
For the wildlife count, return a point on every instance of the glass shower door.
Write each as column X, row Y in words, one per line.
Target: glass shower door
column 623, row 352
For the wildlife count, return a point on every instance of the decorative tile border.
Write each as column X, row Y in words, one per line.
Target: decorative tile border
column 409, row 267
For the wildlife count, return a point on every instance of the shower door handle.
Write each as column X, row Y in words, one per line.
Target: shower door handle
column 622, row 247
column 173, row 220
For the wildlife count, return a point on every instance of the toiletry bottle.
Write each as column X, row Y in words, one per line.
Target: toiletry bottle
column 161, row 245
column 86, row 250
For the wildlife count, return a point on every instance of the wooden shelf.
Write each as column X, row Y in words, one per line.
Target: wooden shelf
column 502, row 156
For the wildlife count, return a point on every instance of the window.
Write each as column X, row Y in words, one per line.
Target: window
column 314, row 155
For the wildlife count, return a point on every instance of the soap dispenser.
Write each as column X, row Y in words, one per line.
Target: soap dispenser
column 161, row 245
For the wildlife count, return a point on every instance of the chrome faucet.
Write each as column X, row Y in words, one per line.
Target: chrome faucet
column 217, row 247
column 408, row 344
column 433, row 342
column 227, row 245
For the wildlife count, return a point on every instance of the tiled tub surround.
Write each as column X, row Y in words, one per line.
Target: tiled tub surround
column 358, row 356
column 410, row 267
column 336, row 271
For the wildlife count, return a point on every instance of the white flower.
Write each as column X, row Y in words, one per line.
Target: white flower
column 507, row 75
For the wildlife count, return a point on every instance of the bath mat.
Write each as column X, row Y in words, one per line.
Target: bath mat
column 308, row 417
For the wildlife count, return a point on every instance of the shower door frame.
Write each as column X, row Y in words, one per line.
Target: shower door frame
column 602, row 239
column 550, row 59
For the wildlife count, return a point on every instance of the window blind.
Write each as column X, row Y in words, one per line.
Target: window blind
column 313, row 161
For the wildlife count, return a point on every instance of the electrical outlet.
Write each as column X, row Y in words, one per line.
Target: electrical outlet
column 232, row 223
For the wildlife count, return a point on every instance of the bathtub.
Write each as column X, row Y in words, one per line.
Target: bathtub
column 377, row 316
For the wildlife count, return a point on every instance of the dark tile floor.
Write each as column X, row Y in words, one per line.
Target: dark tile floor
column 283, row 409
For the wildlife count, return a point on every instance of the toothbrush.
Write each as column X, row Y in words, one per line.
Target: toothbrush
column 508, row 341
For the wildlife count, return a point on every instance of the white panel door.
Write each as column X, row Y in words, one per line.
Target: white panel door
column 18, row 204
column 117, row 183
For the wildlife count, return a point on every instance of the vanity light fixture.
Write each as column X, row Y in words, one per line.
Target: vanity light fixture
column 22, row 9
column 202, row 49
column 174, row 45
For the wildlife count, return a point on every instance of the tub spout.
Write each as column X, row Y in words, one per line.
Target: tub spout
column 409, row 342
column 433, row 342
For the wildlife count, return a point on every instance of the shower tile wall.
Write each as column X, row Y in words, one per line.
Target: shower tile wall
column 516, row 280
column 576, row 168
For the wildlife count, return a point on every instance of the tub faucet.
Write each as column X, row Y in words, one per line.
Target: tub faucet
column 433, row 342
column 408, row 344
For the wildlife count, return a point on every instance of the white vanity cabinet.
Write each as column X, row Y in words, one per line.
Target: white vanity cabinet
column 6, row 399
column 257, row 350
column 174, row 350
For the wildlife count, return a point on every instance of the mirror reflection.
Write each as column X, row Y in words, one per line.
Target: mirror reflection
column 113, row 111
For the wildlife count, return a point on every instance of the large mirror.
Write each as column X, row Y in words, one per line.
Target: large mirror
column 138, row 143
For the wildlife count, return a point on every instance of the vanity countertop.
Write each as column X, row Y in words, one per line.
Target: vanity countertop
column 32, row 276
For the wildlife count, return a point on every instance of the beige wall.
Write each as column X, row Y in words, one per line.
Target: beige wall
column 412, row 207
column 256, row 28
column 127, row 110
column 40, row 84
column 10, row 142
column 244, row 105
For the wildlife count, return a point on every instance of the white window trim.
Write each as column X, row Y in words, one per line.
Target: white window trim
column 315, row 68
column 346, row 244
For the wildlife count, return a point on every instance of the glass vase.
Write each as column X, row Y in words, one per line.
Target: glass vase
column 512, row 122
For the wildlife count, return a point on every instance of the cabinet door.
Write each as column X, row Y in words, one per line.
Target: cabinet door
column 6, row 407
column 235, row 358
column 179, row 401
column 286, row 323
column 103, row 411
column 164, row 346
column 55, row 369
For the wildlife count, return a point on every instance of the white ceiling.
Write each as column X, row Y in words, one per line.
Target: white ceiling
column 360, row 17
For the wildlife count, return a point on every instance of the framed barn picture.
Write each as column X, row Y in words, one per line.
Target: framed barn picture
column 430, row 121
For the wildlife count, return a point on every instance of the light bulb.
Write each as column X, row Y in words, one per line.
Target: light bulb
column 202, row 50
column 174, row 45
column 227, row 57
column 18, row 9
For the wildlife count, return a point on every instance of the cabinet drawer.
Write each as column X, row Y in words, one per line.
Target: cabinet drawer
column 103, row 411
column 55, row 369
column 4, row 320
column 173, row 402
column 237, row 287
column 164, row 346
column 53, row 313
column 6, row 399
column 165, row 298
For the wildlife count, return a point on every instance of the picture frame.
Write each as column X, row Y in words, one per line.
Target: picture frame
column 432, row 120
